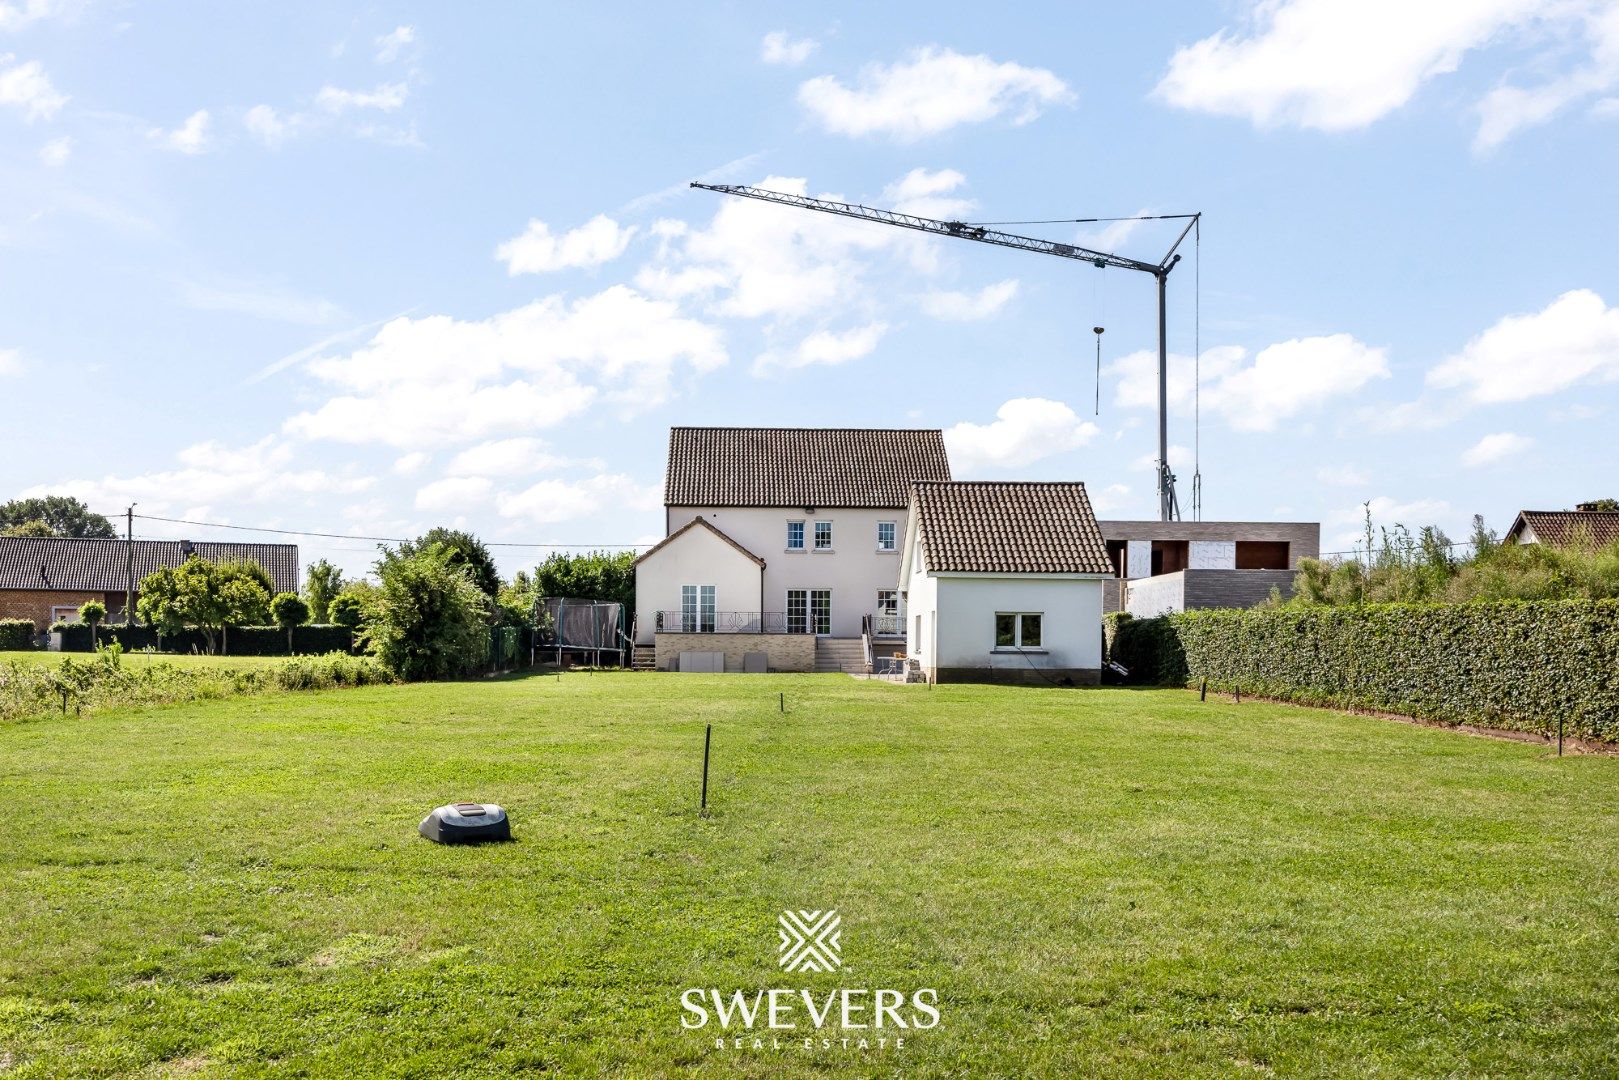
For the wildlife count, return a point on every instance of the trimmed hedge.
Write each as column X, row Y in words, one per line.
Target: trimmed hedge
column 16, row 634
column 1512, row 665
column 241, row 641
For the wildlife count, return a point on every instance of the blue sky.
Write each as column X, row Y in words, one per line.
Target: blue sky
column 363, row 270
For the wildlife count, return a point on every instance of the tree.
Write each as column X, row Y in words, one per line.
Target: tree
column 322, row 583
column 595, row 575
column 347, row 610
column 209, row 596
column 91, row 613
column 464, row 550
column 289, row 610
column 515, row 604
column 428, row 619
column 62, row 514
column 28, row 528
column 1602, row 504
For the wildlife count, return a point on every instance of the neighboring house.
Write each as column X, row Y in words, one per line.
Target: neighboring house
column 776, row 533
column 46, row 579
column 1003, row 582
column 1161, row 566
column 1565, row 528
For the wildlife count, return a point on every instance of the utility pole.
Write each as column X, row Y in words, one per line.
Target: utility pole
column 129, row 565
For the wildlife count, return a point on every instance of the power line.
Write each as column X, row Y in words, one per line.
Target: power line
column 356, row 536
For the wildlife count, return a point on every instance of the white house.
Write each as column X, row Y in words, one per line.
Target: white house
column 1003, row 582
column 780, row 533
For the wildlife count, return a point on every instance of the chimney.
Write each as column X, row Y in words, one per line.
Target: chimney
column 1586, row 507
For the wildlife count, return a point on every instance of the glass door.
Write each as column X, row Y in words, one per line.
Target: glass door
column 821, row 611
column 797, row 611
column 697, row 609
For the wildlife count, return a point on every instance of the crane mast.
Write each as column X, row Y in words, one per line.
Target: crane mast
column 1168, row 504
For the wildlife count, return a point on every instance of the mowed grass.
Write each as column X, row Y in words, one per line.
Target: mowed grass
column 142, row 659
column 1111, row 883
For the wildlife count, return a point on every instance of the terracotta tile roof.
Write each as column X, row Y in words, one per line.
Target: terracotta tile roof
column 819, row 467
column 1010, row 528
column 1564, row 528
column 57, row 562
column 692, row 524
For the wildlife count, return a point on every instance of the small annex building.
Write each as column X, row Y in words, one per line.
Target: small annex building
column 1003, row 582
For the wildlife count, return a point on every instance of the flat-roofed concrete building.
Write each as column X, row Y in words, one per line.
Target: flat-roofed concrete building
column 1161, row 566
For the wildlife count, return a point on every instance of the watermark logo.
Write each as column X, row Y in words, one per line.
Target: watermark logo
column 810, row 940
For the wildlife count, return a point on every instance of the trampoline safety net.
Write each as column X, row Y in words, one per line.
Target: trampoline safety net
column 566, row 623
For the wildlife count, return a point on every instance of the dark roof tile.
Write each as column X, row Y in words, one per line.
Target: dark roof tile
column 994, row 527
column 821, row 467
column 59, row 562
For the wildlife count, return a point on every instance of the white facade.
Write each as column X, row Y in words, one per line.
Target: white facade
column 696, row 559
column 952, row 623
column 851, row 573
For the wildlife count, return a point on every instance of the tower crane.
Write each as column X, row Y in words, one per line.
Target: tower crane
column 1168, row 504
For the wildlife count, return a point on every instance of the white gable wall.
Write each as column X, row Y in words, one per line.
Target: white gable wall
column 854, row 569
column 1071, row 622
column 696, row 558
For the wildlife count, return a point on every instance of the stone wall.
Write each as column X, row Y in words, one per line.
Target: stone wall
column 785, row 652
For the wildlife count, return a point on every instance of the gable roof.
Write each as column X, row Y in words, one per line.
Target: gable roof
column 801, row 467
column 1565, row 528
column 996, row 527
column 699, row 520
column 61, row 562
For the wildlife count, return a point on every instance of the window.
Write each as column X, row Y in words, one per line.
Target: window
column 697, row 609
column 809, row 611
column 821, row 611
column 823, row 536
column 797, row 611
column 887, row 621
column 1017, row 629
column 795, row 536
column 885, row 536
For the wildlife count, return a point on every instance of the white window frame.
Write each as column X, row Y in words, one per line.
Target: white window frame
column 893, row 536
column 816, row 535
column 798, row 547
column 63, row 614
column 1018, row 644
column 701, row 619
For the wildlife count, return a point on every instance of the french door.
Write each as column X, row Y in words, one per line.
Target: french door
column 809, row 611
column 697, row 609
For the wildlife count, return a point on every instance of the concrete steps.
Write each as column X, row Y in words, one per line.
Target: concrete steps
column 645, row 658
column 840, row 654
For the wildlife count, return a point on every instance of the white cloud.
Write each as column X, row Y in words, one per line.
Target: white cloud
column 1496, row 447
column 210, row 472
column 1343, row 476
column 510, row 457
column 271, row 127
column 599, row 240
column 779, row 48
column 1332, row 66
column 968, row 307
column 1573, row 340
column 551, row 501
column 824, row 347
column 1386, row 514
column 1180, row 462
column 927, row 194
column 10, row 362
column 411, row 463
column 755, row 260
column 1284, row 380
column 933, row 90
column 387, row 97
column 190, row 137
column 26, row 88
column 1024, row 431
column 391, row 44
column 259, row 303
column 454, row 493
column 1110, row 498
column 56, row 152
column 15, row 16
column 437, row 380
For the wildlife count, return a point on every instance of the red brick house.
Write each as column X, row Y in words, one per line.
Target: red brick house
column 46, row 579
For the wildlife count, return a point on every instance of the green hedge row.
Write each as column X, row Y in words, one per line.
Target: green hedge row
column 16, row 634
column 241, row 641
column 1517, row 666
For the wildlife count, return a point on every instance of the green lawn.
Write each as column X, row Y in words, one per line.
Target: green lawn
column 141, row 658
column 1111, row 883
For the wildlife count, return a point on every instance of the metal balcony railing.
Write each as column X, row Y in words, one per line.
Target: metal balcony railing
column 730, row 622
column 888, row 625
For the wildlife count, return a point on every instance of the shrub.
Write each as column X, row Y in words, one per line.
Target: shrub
column 1513, row 665
column 289, row 610
column 347, row 610
column 16, row 634
column 429, row 619
column 244, row 640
